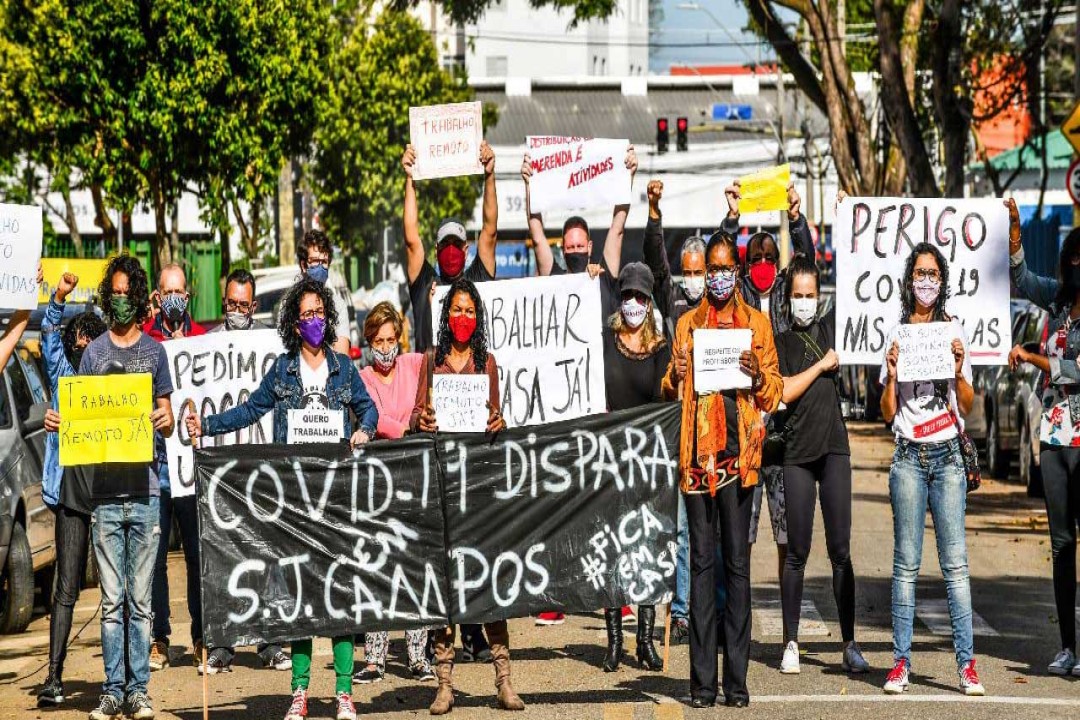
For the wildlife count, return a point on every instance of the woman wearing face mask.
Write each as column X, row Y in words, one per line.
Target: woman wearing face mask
column 461, row 349
column 928, row 470
column 817, row 456
column 391, row 381
column 309, row 374
column 719, row 459
column 636, row 357
column 1060, row 427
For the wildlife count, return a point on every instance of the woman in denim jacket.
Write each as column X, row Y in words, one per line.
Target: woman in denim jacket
column 1059, row 430
column 928, row 469
column 309, row 375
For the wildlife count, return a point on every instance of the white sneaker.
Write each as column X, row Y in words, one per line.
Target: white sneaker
column 1063, row 664
column 790, row 664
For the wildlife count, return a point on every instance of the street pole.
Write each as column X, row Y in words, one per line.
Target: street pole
column 781, row 158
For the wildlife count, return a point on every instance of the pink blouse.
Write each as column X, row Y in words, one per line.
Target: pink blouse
column 394, row 401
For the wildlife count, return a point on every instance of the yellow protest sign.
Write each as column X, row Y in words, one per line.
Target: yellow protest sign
column 89, row 273
column 765, row 190
column 106, row 418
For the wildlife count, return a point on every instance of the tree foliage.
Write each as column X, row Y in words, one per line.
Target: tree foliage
column 377, row 75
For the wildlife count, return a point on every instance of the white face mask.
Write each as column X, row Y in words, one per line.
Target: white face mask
column 634, row 313
column 804, row 310
column 694, row 287
column 385, row 360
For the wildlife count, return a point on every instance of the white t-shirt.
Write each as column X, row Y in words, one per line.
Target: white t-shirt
column 314, row 382
column 927, row 411
column 342, row 327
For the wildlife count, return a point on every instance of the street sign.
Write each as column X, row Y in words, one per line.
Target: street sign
column 1071, row 127
column 728, row 111
column 1072, row 181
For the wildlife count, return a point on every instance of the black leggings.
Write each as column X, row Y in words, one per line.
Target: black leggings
column 72, row 543
column 1061, row 483
column 833, row 474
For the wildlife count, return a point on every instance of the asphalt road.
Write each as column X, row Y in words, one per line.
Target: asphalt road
column 557, row 669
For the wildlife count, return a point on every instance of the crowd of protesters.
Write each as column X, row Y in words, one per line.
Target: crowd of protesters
column 781, row 442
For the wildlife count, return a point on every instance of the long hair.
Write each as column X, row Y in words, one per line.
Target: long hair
column 138, row 293
column 907, row 288
column 478, row 344
column 87, row 325
column 1067, row 289
column 290, row 314
column 650, row 337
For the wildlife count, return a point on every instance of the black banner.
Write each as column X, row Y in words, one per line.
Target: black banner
column 299, row 541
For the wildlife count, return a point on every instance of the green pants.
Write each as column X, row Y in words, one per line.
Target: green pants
column 343, row 664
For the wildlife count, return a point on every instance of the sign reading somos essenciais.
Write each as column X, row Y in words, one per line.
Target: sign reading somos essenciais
column 873, row 237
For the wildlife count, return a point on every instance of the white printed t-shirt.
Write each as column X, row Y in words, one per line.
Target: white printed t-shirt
column 927, row 410
column 314, row 382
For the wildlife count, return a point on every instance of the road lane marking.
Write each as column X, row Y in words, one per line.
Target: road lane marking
column 622, row 711
column 769, row 619
column 668, row 711
column 934, row 613
column 908, row 697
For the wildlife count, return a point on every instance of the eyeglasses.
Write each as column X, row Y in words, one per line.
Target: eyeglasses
column 924, row 274
column 235, row 306
column 318, row 262
column 311, row 314
column 725, row 272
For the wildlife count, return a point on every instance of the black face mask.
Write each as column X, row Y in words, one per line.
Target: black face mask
column 576, row 262
column 76, row 359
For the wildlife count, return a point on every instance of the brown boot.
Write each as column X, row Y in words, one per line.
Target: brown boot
column 444, row 670
column 499, row 639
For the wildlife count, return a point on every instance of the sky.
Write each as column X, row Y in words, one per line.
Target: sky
column 696, row 27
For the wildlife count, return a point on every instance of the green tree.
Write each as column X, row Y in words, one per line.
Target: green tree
column 376, row 76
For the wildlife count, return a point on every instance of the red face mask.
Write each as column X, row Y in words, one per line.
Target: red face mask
column 462, row 328
column 451, row 260
column 763, row 275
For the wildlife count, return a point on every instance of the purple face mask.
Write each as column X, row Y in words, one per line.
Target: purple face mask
column 312, row 331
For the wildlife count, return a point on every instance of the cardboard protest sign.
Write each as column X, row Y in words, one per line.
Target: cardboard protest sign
column 460, row 402
column 20, row 253
column 446, row 139
column 872, row 239
column 89, row 273
column 716, row 360
column 211, row 374
column 546, row 335
column 106, row 418
column 571, row 173
column 315, row 425
column 765, row 189
column 925, row 352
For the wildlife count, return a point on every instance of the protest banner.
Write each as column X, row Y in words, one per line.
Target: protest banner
column 765, row 189
column 872, row 239
column 315, row 425
column 446, row 139
column 20, row 253
column 925, row 352
column 211, row 374
column 716, row 360
column 547, row 338
column 431, row 530
column 89, row 273
column 460, row 402
column 572, row 173
column 105, row 418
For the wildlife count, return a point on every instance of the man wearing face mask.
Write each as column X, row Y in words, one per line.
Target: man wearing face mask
column 172, row 298
column 451, row 247
column 577, row 243
column 314, row 255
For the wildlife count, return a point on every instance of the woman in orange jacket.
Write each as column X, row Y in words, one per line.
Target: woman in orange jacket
column 720, row 453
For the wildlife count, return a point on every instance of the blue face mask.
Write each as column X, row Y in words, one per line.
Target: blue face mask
column 318, row 273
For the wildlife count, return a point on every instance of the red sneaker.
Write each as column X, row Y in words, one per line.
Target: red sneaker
column 628, row 614
column 969, row 680
column 897, row 680
column 550, row 618
column 298, row 709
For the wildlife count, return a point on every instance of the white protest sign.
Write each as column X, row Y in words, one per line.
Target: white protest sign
column 925, row 352
column 314, row 425
column 546, row 334
column 572, row 173
column 216, row 372
column 716, row 360
column 872, row 239
column 446, row 139
column 20, row 253
column 460, row 402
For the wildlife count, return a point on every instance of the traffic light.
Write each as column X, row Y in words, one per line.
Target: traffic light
column 662, row 136
column 682, row 126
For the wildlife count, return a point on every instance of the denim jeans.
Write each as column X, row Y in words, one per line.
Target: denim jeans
column 680, row 603
column 125, row 542
column 186, row 512
column 929, row 474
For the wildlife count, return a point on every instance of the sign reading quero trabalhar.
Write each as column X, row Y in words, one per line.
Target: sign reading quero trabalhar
column 873, row 237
